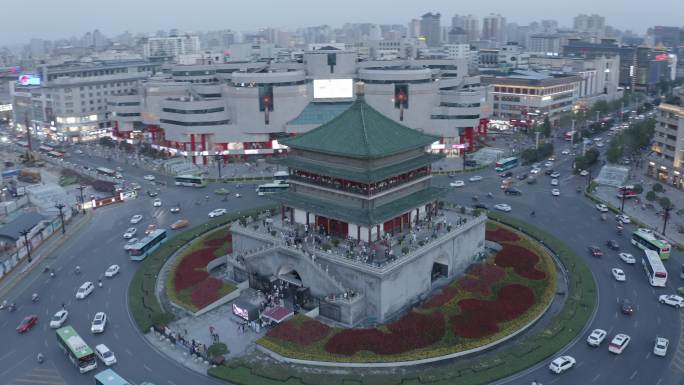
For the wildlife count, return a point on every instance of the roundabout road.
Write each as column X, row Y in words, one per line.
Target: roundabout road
column 574, row 219
column 98, row 245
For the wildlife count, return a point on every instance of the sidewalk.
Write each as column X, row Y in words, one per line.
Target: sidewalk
column 9, row 280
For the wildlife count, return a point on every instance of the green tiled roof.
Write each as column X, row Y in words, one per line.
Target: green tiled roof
column 319, row 113
column 359, row 216
column 366, row 176
column 361, row 132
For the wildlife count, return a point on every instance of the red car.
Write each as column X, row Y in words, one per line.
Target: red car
column 27, row 323
column 595, row 251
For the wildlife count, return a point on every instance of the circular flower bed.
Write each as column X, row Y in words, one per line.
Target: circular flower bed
column 491, row 300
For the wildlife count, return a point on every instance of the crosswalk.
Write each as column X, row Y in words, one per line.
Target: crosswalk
column 678, row 359
column 38, row 376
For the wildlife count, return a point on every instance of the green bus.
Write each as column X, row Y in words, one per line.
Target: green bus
column 109, row 377
column 79, row 353
column 646, row 240
column 506, row 164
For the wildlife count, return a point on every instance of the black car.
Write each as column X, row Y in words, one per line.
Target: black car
column 549, row 172
column 613, row 245
column 506, row 174
column 512, row 191
column 481, row 206
column 152, row 194
column 532, row 181
column 470, row 163
column 627, row 307
column 522, row 176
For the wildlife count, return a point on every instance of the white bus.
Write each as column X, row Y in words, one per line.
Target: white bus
column 645, row 239
column 655, row 270
column 190, row 181
column 144, row 247
column 281, row 177
column 271, row 188
column 108, row 172
column 76, row 349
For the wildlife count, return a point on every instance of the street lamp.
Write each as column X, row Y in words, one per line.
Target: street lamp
column 666, row 216
column 219, row 160
column 60, row 207
column 25, row 233
column 81, row 188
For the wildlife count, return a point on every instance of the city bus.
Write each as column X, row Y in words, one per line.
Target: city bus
column 190, row 181
column 654, row 268
column 80, row 354
column 106, row 172
column 281, row 177
column 45, row 149
column 506, row 164
column 55, row 154
column 645, row 240
column 109, row 377
column 144, row 247
column 271, row 188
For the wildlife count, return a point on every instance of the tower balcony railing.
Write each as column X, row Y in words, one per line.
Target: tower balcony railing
column 357, row 188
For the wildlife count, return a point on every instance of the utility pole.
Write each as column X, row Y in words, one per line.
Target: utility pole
column 622, row 205
column 25, row 233
column 28, row 132
column 81, row 188
column 60, row 207
column 572, row 137
column 219, row 160
column 536, row 140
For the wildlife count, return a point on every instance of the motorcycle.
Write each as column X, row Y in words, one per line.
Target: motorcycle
column 619, row 229
column 3, row 305
column 12, row 307
column 34, row 297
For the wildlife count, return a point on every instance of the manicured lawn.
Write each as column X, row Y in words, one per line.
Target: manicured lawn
column 493, row 299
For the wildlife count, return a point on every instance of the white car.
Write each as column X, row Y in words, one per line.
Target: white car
column 136, row 218
column 599, row 144
column 618, row 274
column 561, row 364
column 237, row 195
column 130, row 232
column 535, row 171
column 555, row 192
column 99, row 323
column 672, row 300
column 157, row 202
column 619, row 343
column 58, row 319
column 457, row 183
column 548, row 164
column 105, row 355
column 623, row 218
column 85, row 290
column 503, row 207
column 112, row 271
column 602, row 208
column 660, row 347
column 130, row 243
column 627, row 258
column 149, row 177
column 596, row 337
column 554, row 182
column 584, row 173
column 555, row 175
column 565, row 152
column 475, row 178
column 217, row 213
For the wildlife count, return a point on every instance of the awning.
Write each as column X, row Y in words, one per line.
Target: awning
column 278, row 314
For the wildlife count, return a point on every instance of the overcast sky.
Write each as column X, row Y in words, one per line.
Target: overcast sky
column 51, row 19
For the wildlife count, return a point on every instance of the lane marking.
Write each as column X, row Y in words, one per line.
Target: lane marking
column 596, row 377
column 147, row 368
column 7, row 354
column 633, row 375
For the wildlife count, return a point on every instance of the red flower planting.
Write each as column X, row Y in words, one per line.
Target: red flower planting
column 413, row 331
column 480, row 278
column 440, row 299
column 480, row 318
column 191, row 270
column 521, row 259
column 301, row 333
column 501, row 235
column 218, row 242
column 206, row 292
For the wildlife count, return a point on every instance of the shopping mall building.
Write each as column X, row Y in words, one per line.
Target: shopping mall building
column 243, row 108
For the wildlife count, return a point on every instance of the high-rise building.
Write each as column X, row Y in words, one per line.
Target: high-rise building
column 414, row 28
column 169, row 48
column 594, row 24
column 494, row 28
column 469, row 23
column 669, row 37
column 430, row 29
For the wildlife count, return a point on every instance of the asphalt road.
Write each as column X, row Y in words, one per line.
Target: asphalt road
column 575, row 220
column 97, row 246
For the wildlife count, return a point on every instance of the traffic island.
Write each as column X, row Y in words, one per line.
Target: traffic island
column 543, row 339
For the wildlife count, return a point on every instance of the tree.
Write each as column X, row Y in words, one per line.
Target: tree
column 601, row 106
column 657, row 187
column 638, row 189
column 106, row 141
column 651, row 196
column 614, row 151
column 546, row 127
column 665, row 202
